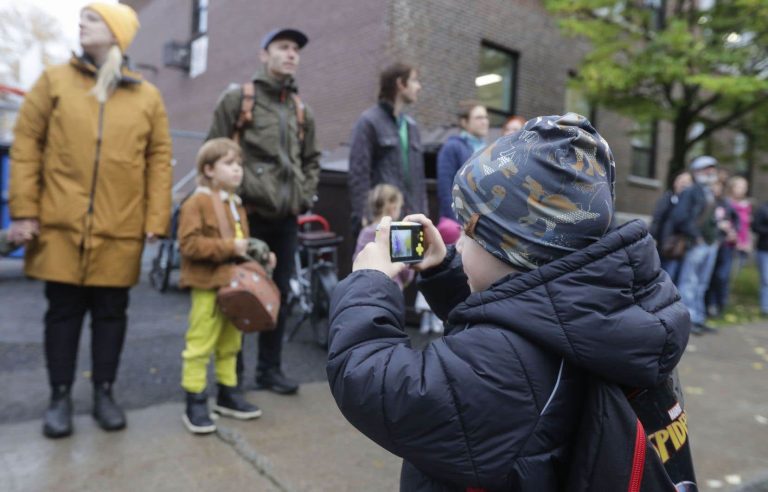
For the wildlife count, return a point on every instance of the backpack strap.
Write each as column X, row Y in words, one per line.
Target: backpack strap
column 245, row 117
column 246, row 110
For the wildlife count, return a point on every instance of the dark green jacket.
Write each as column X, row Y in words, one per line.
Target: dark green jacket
column 281, row 173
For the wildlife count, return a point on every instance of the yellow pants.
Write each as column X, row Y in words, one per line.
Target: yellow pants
column 209, row 333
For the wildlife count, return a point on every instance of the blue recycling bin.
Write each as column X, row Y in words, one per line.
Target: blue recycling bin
column 5, row 216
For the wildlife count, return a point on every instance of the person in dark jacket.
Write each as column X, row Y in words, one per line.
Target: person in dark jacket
column 694, row 217
column 540, row 290
column 760, row 227
column 716, row 297
column 386, row 146
column 473, row 120
column 661, row 227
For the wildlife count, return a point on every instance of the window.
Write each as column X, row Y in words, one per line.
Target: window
column 200, row 17
column 701, row 147
column 496, row 82
column 741, row 154
column 644, row 149
column 577, row 102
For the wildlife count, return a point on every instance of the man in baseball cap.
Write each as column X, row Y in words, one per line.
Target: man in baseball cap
column 280, row 136
column 294, row 35
column 694, row 217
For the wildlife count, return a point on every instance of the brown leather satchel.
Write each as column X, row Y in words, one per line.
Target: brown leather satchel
column 673, row 247
column 250, row 300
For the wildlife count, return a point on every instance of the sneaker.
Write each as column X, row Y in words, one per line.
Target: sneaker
column 231, row 402
column 274, row 380
column 696, row 330
column 197, row 419
column 706, row 329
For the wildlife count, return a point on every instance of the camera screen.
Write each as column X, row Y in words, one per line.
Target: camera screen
column 402, row 246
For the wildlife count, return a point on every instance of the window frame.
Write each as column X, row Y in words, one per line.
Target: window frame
column 197, row 8
column 652, row 149
column 514, row 59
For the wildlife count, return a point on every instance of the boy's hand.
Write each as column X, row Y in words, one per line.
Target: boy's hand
column 241, row 247
column 375, row 255
column 436, row 250
column 272, row 262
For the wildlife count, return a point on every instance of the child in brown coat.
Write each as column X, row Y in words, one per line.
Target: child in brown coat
column 206, row 264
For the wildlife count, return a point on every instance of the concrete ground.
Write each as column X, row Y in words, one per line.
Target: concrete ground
column 302, row 442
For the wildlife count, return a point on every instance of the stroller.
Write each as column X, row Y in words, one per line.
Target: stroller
column 168, row 257
column 314, row 276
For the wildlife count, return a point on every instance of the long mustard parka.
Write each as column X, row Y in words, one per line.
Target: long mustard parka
column 97, row 177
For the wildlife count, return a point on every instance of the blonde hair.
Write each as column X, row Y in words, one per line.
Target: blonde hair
column 212, row 151
column 731, row 183
column 109, row 74
column 378, row 199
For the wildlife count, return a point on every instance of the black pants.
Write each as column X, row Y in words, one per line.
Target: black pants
column 281, row 236
column 67, row 305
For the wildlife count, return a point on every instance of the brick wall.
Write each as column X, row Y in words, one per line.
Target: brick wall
column 338, row 75
column 352, row 40
column 443, row 37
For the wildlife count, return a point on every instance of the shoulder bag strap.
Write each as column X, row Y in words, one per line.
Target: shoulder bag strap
column 246, row 110
column 221, row 217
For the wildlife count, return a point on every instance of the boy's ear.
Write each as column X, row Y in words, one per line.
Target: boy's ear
column 208, row 170
column 264, row 55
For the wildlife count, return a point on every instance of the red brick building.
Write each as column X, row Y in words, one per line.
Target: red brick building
column 508, row 53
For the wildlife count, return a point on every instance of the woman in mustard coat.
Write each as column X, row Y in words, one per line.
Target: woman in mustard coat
column 90, row 180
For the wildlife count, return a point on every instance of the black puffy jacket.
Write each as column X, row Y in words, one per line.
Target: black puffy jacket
column 494, row 403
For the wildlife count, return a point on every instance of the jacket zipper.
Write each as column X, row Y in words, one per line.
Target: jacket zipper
column 284, row 186
column 85, row 248
column 638, row 459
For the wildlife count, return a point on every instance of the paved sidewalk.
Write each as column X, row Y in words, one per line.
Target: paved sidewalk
column 725, row 381
column 302, row 443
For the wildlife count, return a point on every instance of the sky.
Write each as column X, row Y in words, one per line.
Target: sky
column 67, row 12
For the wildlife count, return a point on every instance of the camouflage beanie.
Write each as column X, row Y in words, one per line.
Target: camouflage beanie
column 538, row 194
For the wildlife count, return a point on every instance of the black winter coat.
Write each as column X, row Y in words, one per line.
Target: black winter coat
column 375, row 157
column 760, row 226
column 495, row 402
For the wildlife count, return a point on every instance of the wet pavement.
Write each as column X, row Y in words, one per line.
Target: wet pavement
column 301, row 443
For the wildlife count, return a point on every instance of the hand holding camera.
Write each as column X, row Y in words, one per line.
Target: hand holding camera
column 415, row 241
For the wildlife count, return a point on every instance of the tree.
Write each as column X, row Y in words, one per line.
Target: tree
column 21, row 29
column 682, row 61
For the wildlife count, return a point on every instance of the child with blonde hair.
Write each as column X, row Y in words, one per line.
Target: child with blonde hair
column 207, row 259
column 384, row 200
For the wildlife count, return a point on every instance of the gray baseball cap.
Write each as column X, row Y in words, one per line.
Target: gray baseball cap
column 284, row 33
column 702, row 162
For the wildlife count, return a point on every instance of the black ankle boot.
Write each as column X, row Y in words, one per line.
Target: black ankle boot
column 196, row 418
column 58, row 418
column 231, row 402
column 109, row 416
column 274, row 380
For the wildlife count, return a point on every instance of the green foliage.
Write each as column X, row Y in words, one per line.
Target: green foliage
column 687, row 66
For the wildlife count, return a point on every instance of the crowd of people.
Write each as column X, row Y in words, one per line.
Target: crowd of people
column 704, row 228
column 526, row 225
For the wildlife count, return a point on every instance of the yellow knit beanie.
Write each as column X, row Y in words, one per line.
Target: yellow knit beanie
column 121, row 20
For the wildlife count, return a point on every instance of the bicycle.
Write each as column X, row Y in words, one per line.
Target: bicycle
column 315, row 276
